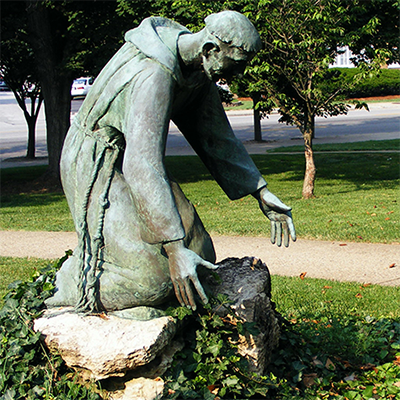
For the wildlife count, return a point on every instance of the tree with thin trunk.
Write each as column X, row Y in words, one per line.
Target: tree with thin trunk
column 18, row 71
column 301, row 39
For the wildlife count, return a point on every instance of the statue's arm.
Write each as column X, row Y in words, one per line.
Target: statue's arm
column 209, row 132
column 144, row 171
column 146, row 128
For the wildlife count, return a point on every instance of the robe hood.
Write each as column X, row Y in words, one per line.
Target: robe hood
column 157, row 38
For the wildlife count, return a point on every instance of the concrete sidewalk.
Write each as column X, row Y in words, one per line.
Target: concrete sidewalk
column 359, row 262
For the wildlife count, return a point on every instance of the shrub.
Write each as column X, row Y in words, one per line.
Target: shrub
column 225, row 95
column 385, row 84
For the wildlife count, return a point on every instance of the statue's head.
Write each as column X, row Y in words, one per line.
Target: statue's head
column 234, row 29
column 232, row 42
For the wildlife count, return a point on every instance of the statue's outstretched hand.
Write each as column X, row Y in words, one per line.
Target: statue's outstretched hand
column 182, row 267
column 280, row 216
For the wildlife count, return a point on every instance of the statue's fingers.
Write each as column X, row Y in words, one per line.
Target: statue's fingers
column 285, row 235
column 208, row 265
column 178, row 294
column 273, row 232
column 200, row 290
column 183, row 295
column 189, row 295
column 279, row 234
column 292, row 230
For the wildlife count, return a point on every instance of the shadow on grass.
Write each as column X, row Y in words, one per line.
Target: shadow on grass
column 361, row 169
column 370, row 145
column 31, row 199
column 364, row 170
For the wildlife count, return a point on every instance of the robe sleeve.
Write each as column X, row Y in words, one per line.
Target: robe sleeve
column 146, row 127
column 207, row 129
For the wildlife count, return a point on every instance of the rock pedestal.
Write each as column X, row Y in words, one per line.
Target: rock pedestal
column 131, row 354
column 105, row 345
column 139, row 352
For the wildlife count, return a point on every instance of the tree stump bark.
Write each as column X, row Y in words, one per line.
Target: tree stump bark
column 247, row 284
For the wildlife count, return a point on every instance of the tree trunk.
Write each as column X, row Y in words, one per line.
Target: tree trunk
column 55, row 80
column 256, row 118
column 30, row 152
column 31, row 121
column 20, row 95
column 309, row 176
column 57, row 99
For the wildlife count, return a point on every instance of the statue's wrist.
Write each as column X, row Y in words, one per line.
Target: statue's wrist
column 258, row 194
column 173, row 246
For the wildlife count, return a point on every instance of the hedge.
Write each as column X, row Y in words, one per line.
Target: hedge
column 385, row 84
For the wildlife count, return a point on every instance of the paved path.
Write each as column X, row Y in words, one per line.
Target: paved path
column 360, row 262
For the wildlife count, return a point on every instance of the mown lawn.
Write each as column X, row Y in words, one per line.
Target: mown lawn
column 356, row 198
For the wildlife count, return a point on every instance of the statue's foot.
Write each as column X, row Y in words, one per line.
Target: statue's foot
column 66, row 293
column 141, row 313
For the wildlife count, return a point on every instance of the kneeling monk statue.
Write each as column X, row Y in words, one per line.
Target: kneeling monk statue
column 139, row 239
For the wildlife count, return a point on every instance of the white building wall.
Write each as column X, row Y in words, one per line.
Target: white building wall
column 343, row 60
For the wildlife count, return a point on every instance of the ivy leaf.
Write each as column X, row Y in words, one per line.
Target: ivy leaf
column 10, row 394
column 368, row 391
column 231, row 381
column 214, row 349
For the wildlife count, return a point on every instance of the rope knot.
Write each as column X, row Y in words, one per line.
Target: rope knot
column 104, row 202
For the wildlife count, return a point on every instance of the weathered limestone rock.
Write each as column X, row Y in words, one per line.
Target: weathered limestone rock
column 105, row 345
column 247, row 283
column 140, row 389
column 143, row 383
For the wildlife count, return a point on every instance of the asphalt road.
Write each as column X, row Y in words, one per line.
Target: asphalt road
column 381, row 122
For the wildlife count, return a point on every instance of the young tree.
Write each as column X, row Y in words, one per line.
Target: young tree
column 16, row 66
column 301, row 39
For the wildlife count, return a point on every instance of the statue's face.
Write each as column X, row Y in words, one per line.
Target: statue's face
column 224, row 61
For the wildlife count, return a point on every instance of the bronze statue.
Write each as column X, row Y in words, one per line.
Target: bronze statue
column 140, row 239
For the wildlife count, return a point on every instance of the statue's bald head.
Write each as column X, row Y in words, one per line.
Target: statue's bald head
column 234, row 29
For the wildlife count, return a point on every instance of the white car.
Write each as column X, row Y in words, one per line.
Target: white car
column 81, row 86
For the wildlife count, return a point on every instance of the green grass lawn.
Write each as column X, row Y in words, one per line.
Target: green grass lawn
column 242, row 105
column 375, row 145
column 356, row 199
column 17, row 269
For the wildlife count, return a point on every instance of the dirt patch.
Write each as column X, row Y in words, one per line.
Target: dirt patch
column 391, row 97
column 383, row 98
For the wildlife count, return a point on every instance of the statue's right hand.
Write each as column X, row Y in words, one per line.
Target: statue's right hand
column 182, row 267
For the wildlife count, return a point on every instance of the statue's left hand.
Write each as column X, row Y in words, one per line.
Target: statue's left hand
column 182, row 267
column 280, row 216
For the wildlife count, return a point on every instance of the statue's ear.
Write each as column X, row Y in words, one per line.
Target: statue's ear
column 208, row 47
